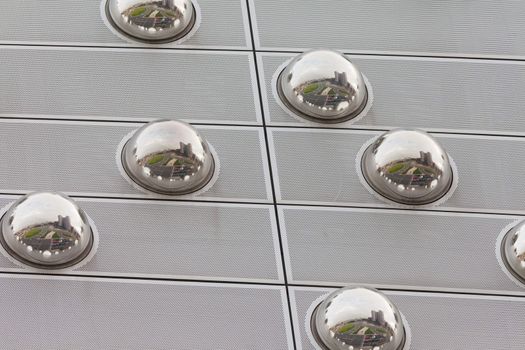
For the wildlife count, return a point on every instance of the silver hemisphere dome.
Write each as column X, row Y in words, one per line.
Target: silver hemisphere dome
column 324, row 86
column 513, row 251
column 358, row 318
column 46, row 230
column 152, row 20
column 407, row 166
column 168, row 157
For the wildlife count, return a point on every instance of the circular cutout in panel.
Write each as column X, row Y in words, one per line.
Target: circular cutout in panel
column 152, row 20
column 358, row 318
column 168, row 157
column 323, row 86
column 46, row 230
column 408, row 167
column 513, row 251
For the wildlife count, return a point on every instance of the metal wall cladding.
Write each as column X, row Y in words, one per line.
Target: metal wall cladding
column 450, row 28
column 80, row 158
column 107, row 313
column 469, row 96
column 314, row 166
column 437, row 320
column 395, row 249
column 128, row 84
column 185, row 240
column 82, row 22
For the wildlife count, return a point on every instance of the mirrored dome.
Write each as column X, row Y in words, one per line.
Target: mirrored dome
column 46, row 230
column 152, row 20
column 168, row 157
column 358, row 318
column 407, row 166
column 324, row 86
column 513, row 251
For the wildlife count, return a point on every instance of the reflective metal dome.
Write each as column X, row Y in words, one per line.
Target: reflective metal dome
column 152, row 20
column 323, row 85
column 168, row 157
column 46, row 230
column 513, row 251
column 358, row 318
column 408, row 167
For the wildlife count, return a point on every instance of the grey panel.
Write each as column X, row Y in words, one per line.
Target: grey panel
column 79, row 22
column 417, row 250
column 180, row 240
column 434, row 94
column 318, row 166
column 127, row 84
column 460, row 28
column 80, row 158
column 442, row 321
column 111, row 314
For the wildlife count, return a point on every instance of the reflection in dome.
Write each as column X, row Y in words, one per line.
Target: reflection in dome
column 51, row 237
column 174, row 165
column 513, row 251
column 327, row 94
column 322, row 85
column 372, row 331
column 412, row 172
column 407, row 166
column 158, row 15
column 168, row 157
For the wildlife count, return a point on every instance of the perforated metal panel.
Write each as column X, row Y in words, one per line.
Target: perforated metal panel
column 438, row 320
column 452, row 95
column 124, row 314
column 410, row 250
column 81, row 23
column 324, row 162
column 128, row 85
column 240, row 265
column 81, row 158
column 410, row 27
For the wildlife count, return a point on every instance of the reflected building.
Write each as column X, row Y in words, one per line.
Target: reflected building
column 172, row 164
column 160, row 14
column 53, row 236
column 327, row 93
column 412, row 171
column 372, row 331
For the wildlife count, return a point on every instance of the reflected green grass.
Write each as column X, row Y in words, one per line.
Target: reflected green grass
column 33, row 232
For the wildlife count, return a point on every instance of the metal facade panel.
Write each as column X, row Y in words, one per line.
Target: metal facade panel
column 74, row 313
column 165, row 239
column 439, row 320
column 316, row 166
column 128, row 84
column 80, row 22
column 458, row 95
column 80, row 158
column 395, row 249
column 71, row 89
column 444, row 28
